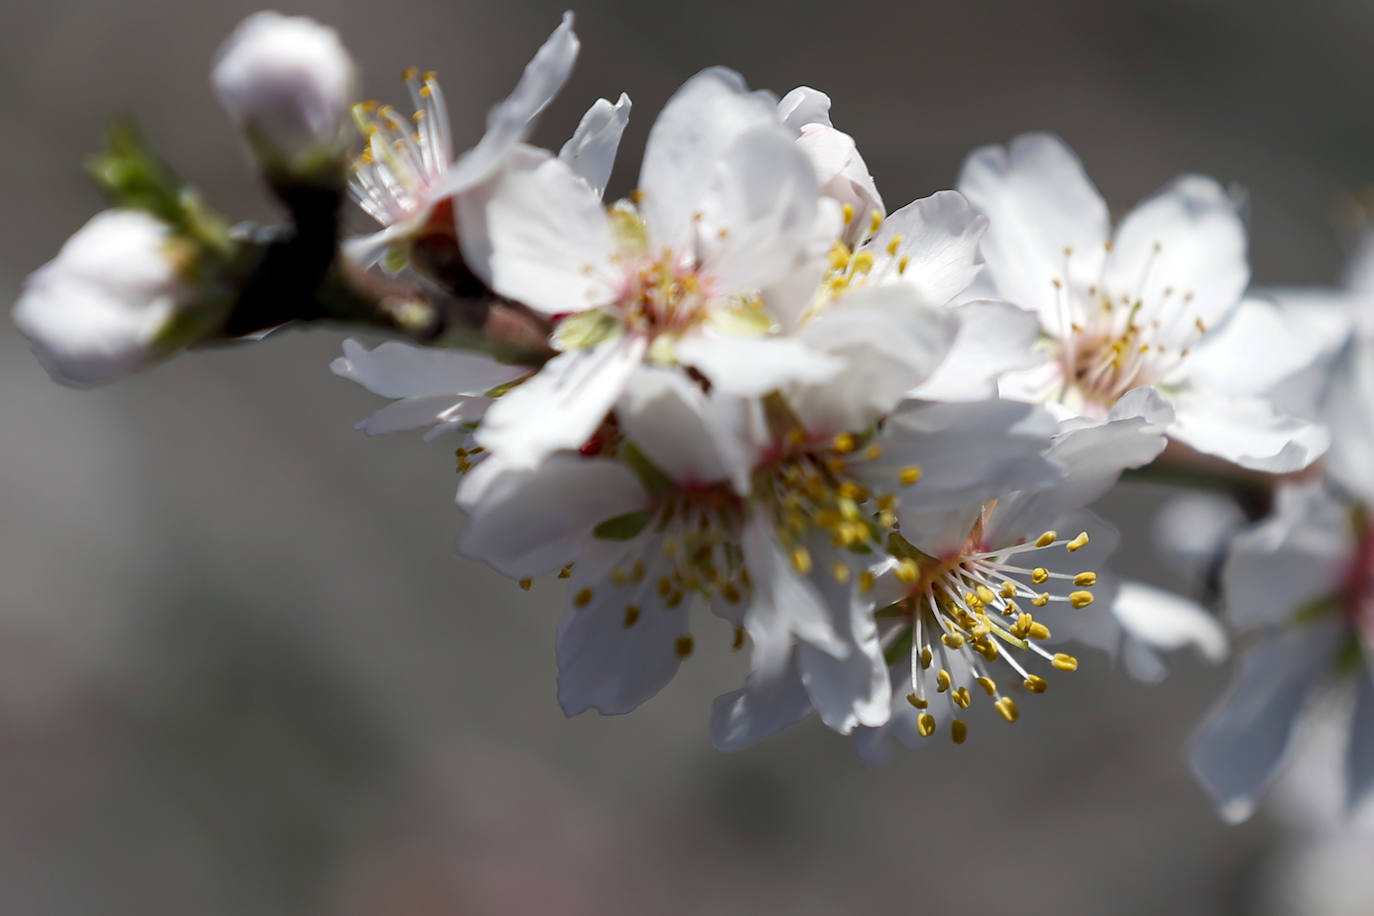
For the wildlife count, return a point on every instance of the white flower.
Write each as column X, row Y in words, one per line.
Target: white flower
column 408, row 168
column 1147, row 305
column 113, row 300
column 590, row 152
column 287, row 82
column 441, row 390
column 727, row 205
column 840, row 170
column 1306, row 576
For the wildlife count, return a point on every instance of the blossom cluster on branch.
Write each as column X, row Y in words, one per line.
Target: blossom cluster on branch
column 749, row 403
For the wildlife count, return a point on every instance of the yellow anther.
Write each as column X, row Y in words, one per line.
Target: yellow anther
column 738, row 641
column 1041, row 599
column 665, row 586
column 1038, row 630
column 989, row 685
column 1036, row 684
column 1046, row 539
column 958, row 731
column 873, row 452
column 909, row 475
column 1080, row 599
column 410, row 73
column 942, row 681
column 682, row 646
column 840, row 571
column 925, row 725
column 1085, row 579
column 953, row 640
column 907, row 571
column 844, row 443
column 862, row 262
column 916, row 701
column 893, row 245
column 865, row 582
column 848, row 211
column 1008, row 709
column 875, row 219
column 1064, row 662
column 1201, row 325
column 987, row 648
column 1008, row 590
column 1078, row 542
column 902, row 262
column 986, row 594
column 526, row 584
column 961, row 697
column 1058, row 283
column 631, row 616
column 972, row 600
column 583, row 597
column 566, row 572
column 1039, row 575
column 801, row 560
column 637, row 195
column 926, row 656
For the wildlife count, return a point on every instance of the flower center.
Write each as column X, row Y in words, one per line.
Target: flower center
column 403, row 159
column 964, row 612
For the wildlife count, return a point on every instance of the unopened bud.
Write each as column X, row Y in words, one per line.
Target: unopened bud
column 114, row 299
column 287, row 82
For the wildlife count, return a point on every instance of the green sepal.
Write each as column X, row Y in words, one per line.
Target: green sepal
column 650, row 475
column 623, row 527
column 585, row 330
column 899, row 650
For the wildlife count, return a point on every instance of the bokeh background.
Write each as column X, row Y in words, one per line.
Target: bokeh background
column 242, row 670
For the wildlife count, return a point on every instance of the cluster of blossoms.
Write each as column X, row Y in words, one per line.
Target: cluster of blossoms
column 748, row 404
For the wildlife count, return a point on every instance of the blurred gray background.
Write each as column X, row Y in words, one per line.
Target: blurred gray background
column 243, row 672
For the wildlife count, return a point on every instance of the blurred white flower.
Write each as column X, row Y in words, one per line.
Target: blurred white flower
column 407, row 169
column 113, row 300
column 840, row 170
column 287, row 82
column 1153, row 304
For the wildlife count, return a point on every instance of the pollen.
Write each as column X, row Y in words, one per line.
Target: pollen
column 526, row 584
column 925, row 725
column 1064, row 662
column 1080, row 600
column 958, row 731
column 1008, row 709
column 583, row 598
column 631, row 616
column 1085, row 579
column 1036, row 684
column 682, row 646
column 1046, row 539
column 1078, row 543
column 1040, row 575
column 909, row 475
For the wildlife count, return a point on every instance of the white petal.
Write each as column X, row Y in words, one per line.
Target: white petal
column 538, row 234
column 754, row 366
column 1188, row 240
column 511, row 120
column 686, row 143
column 602, row 663
column 418, row 413
column 1257, row 349
column 939, row 240
column 1296, row 556
column 888, row 341
column 1349, row 412
column 399, row 370
column 1192, row 533
column 530, row 521
column 993, row 338
column 590, row 153
column 758, row 212
column 1359, row 752
column 1247, row 431
column 1246, row 736
column 1166, row 620
column 784, row 604
column 769, row 702
column 842, row 174
column 853, row 690
column 562, row 404
column 1039, row 202
column 677, row 427
column 803, row 106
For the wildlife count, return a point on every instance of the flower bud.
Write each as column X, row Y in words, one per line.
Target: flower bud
column 287, row 82
column 111, row 301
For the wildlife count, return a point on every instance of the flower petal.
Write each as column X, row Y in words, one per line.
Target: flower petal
column 537, row 233
column 1182, row 252
column 1246, row 736
column 1247, row 431
column 677, row 427
column 1257, row 349
column 992, row 338
column 1040, row 202
column 399, row 370
column 754, row 366
column 1348, row 409
column 562, row 404
column 686, row 143
column 441, row 411
column 769, row 702
column 853, row 690
column 938, row 238
column 1166, row 620
column 530, row 521
column 803, row 106
column 590, row 152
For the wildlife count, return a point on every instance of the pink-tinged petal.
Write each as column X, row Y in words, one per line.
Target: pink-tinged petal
column 399, row 370
column 939, row 238
column 754, row 366
column 1246, row 736
column 992, row 339
column 510, row 121
column 1250, row 432
column 531, row 521
column 1040, row 203
column 758, row 212
column 1295, row 557
column 680, row 429
column 1182, row 253
column 590, row 153
column 537, row 233
column 605, row 664
column 842, row 174
column 686, row 143
column 562, row 404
